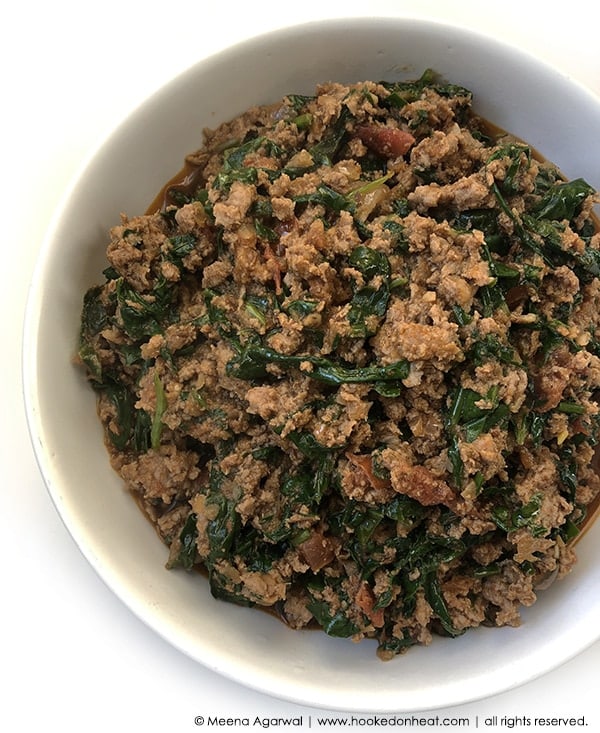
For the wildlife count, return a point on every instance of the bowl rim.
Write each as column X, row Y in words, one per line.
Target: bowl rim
column 30, row 356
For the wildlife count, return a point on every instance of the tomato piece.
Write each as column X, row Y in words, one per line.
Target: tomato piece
column 389, row 142
column 365, row 464
column 365, row 600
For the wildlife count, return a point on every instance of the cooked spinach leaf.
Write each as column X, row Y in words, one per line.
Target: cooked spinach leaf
column 370, row 262
column 563, row 200
column 161, row 406
column 435, row 598
column 325, row 152
column 511, row 518
column 188, row 553
column 144, row 314
column 252, row 360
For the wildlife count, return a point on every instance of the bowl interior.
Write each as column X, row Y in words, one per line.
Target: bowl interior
column 512, row 90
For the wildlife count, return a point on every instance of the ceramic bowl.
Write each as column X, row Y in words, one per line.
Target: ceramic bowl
column 512, row 89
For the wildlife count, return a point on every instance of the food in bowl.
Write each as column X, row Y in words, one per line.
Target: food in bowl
column 347, row 362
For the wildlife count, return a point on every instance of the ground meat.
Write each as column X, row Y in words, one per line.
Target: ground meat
column 466, row 606
column 416, row 342
column 348, row 365
column 416, row 481
column 468, row 193
column 164, row 475
column 484, row 454
column 507, row 592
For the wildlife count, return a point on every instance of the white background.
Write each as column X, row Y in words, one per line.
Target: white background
column 72, row 657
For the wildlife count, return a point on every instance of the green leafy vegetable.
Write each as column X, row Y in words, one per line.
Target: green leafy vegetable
column 187, row 555
column 333, row 623
column 564, row 200
column 510, row 519
column 327, row 197
column 252, row 359
column 370, row 262
column 143, row 315
column 435, row 598
column 161, row 406
column 325, row 151
column 181, row 246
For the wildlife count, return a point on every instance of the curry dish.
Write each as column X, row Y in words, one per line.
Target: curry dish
column 348, row 364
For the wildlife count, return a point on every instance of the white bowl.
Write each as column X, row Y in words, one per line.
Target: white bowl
column 515, row 91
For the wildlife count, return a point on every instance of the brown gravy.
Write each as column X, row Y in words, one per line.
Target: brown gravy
column 185, row 182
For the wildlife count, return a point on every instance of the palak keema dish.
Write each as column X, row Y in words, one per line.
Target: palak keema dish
column 348, row 363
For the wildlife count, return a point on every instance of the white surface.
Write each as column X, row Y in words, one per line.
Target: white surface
column 76, row 658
